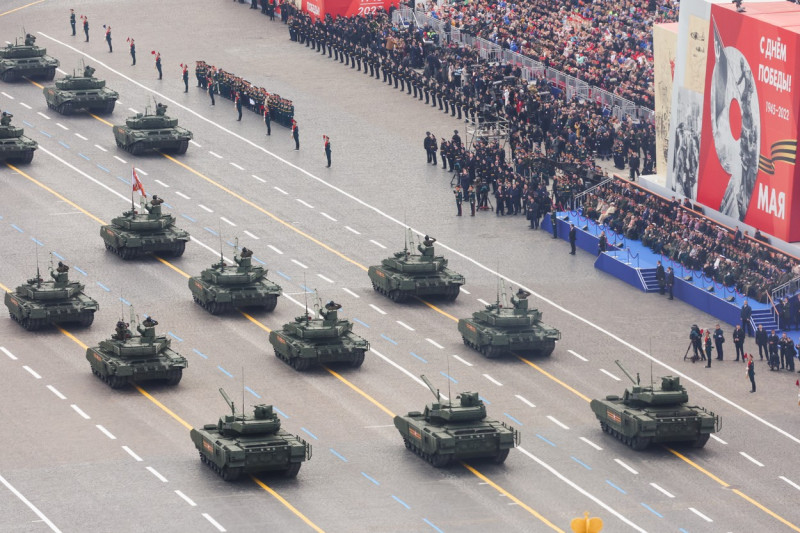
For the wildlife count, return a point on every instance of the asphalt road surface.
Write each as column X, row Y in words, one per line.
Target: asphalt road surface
column 78, row 456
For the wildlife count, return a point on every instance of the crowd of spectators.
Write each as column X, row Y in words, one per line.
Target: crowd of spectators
column 731, row 258
column 253, row 98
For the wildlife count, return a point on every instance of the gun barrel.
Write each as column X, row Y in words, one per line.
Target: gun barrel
column 626, row 372
column 433, row 389
column 227, row 400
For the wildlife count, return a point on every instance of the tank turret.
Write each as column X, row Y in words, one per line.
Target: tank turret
column 501, row 329
column 26, row 60
column 128, row 357
column 406, row 274
column 323, row 338
column 240, row 444
column 447, row 431
column 654, row 414
column 80, row 92
column 143, row 231
column 145, row 131
column 223, row 288
column 59, row 300
column 14, row 146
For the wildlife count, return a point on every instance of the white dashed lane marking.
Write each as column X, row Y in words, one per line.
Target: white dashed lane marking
column 157, row 474
column 409, row 328
column 484, row 302
column 376, row 243
column 280, row 190
column 194, row 143
column 524, row 400
column 185, row 498
column 435, row 343
column 214, row 523
column 274, row 249
column 579, row 356
column 56, row 392
column 557, row 422
column 790, row 482
column 354, row 231
column 225, row 220
column 662, row 491
column 326, row 215
column 459, row 359
column 718, row 439
column 378, row 309
column 308, row 205
column 351, row 293
column 490, row 378
column 250, row 235
column 8, row 96
column 329, row 280
column 465, row 291
column 9, row 354
column 701, row 515
column 259, row 179
column 132, row 453
column 79, row 136
column 298, row 263
column 106, row 432
column 100, row 147
column 609, row 374
column 42, row 114
column 23, row 104
column 32, row 372
column 749, row 458
column 592, row 444
column 625, row 466
column 204, row 208
column 80, row 411
column 60, row 125
column 236, row 166
column 179, row 193
column 140, row 171
column 120, row 160
column 162, row 183
column 215, row 154
column 132, row 110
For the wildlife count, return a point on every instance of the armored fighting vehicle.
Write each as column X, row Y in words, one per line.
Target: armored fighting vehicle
column 651, row 414
column 448, row 431
column 38, row 302
column 18, row 60
column 221, row 288
column 406, row 274
column 146, row 131
column 501, row 329
column 240, row 444
column 14, row 146
column 325, row 338
column 129, row 358
column 137, row 233
column 75, row 93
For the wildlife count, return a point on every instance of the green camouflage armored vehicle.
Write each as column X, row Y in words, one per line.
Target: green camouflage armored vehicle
column 77, row 93
column 222, row 288
column 323, row 339
column 134, row 233
column 147, row 132
column 448, row 431
column 502, row 329
column 129, row 358
column 26, row 60
column 14, row 146
column 405, row 274
column 240, row 444
column 653, row 414
column 38, row 302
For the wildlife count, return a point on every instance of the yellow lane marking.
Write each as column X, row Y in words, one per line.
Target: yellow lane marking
column 173, row 267
column 72, row 337
column 288, row 505
column 374, row 402
column 104, row 121
column 553, row 378
column 39, row 85
column 772, row 514
column 513, row 498
column 256, row 321
column 440, row 311
column 697, row 466
column 163, row 407
column 21, row 7
column 4, row 288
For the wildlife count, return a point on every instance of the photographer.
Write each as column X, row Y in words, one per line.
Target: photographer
column 696, row 339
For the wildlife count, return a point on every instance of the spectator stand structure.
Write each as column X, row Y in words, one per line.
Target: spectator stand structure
column 633, row 262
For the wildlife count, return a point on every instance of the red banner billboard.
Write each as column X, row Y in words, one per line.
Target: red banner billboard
column 345, row 8
column 750, row 120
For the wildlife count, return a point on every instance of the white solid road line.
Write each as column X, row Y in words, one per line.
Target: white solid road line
column 625, row 466
column 609, row 374
column 214, row 523
column 32, row 372
column 580, row 489
column 250, row 235
column 56, row 392
column 378, row 309
column 662, row 491
column 106, row 432
column 701, row 515
column 750, row 458
column 579, row 356
column 9, row 354
column 132, row 454
column 32, row 507
column 790, row 482
column 409, row 328
column 524, row 400
column 457, row 358
column 157, row 474
column 717, row 439
column 592, row 444
column 185, row 498
column 351, row 293
column 557, row 422
column 490, row 378
column 80, row 411
column 435, row 343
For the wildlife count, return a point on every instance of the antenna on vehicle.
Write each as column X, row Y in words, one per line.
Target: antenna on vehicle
column 651, row 363
column 221, row 256
column 38, row 275
column 244, row 408
column 305, row 295
column 449, row 395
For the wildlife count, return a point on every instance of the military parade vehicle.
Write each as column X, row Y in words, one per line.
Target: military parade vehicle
column 240, row 444
column 222, row 287
column 14, row 146
column 325, row 338
column 26, row 60
column 147, row 131
column 149, row 230
column 501, row 329
column 37, row 303
column 651, row 414
column 76, row 93
column 407, row 274
column 130, row 358
column 448, row 431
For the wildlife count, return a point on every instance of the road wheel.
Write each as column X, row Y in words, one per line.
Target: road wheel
column 181, row 149
column 439, row 460
column 175, row 376
column 300, row 364
column 136, row 149
column 65, row 108
column 548, row 349
column 230, row 474
column 87, row 317
column 292, row 470
column 179, row 248
column 26, row 157
column 358, row 359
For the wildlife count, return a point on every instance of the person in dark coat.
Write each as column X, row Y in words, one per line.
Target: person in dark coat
column 327, row 141
column 602, row 243
column 745, row 314
column 573, row 236
column 670, row 281
column 773, row 342
column 661, row 277
column 696, row 338
column 738, row 342
column 761, row 342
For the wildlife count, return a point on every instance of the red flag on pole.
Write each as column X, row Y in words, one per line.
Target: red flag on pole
column 137, row 185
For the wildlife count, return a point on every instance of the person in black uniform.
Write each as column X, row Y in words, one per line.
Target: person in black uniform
column 573, row 235
column 459, row 194
column 133, row 52
column 661, row 278
column 211, row 89
column 434, row 149
column 72, row 20
column 296, row 134
column 267, row 118
column 108, row 39
column 472, row 197
column 670, row 281
column 327, row 141
column 185, row 78
column 238, row 103
column 427, row 145
column 738, row 342
column 761, row 342
column 772, row 343
column 719, row 339
column 745, row 314
column 602, row 243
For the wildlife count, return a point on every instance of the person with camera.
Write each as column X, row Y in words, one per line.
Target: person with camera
column 696, row 339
